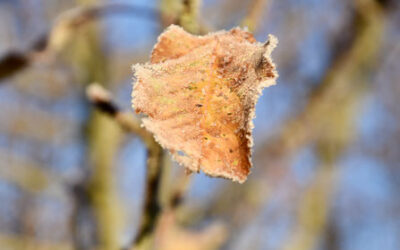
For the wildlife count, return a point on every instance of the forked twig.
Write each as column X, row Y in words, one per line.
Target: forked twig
column 102, row 100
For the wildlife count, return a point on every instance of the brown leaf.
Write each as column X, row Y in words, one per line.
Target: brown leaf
column 199, row 93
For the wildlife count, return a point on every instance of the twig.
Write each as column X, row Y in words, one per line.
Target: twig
column 63, row 29
column 189, row 17
column 184, row 13
column 11, row 63
column 152, row 206
column 79, row 215
column 252, row 19
column 180, row 189
column 102, row 100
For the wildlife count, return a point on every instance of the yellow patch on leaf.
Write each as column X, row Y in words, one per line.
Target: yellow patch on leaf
column 199, row 93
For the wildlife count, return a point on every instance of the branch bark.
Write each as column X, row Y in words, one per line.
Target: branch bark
column 102, row 100
column 64, row 29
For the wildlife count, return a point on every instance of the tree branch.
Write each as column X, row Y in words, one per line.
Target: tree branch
column 152, row 208
column 254, row 15
column 63, row 30
column 102, row 100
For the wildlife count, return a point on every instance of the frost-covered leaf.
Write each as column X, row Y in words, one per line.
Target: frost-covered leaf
column 199, row 95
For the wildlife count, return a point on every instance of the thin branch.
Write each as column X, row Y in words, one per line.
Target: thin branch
column 63, row 29
column 256, row 11
column 11, row 63
column 185, row 13
column 182, row 184
column 152, row 208
column 189, row 17
column 102, row 100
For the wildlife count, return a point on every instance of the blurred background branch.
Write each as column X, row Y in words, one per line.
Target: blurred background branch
column 65, row 28
column 254, row 16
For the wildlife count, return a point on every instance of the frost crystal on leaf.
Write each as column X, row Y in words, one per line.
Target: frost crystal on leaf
column 199, row 94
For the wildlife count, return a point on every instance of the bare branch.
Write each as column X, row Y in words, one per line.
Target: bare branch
column 102, row 100
column 182, row 184
column 256, row 11
column 63, row 30
column 152, row 208
column 11, row 63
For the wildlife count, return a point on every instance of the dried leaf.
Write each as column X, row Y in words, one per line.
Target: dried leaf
column 199, row 93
